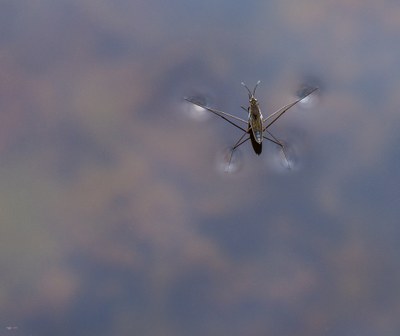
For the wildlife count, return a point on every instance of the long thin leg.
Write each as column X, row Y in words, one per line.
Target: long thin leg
column 279, row 143
column 219, row 113
column 277, row 114
column 240, row 142
column 235, row 146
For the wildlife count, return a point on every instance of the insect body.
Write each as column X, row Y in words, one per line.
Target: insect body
column 257, row 125
column 255, row 116
column 255, row 121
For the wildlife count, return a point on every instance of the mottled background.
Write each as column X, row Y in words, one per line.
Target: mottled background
column 115, row 218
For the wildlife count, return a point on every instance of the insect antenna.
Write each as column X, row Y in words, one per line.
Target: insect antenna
column 248, row 90
column 254, row 91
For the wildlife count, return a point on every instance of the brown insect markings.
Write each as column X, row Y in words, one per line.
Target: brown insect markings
column 255, row 120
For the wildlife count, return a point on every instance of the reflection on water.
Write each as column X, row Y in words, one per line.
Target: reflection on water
column 283, row 161
column 310, row 101
column 196, row 112
column 228, row 161
column 114, row 220
column 295, row 157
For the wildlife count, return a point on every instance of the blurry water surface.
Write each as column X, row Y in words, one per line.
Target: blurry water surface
column 115, row 218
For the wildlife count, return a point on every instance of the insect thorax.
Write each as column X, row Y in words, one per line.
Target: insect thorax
column 254, row 111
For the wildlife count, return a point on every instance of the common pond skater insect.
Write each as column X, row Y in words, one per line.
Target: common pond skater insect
column 257, row 125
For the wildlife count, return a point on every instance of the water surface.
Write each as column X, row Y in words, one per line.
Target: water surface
column 115, row 219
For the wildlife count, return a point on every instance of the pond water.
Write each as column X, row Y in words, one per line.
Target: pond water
column 117, row 217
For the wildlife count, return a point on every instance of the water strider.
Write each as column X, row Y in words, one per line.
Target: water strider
column 257, row 125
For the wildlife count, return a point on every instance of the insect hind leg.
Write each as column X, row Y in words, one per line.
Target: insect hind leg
column 238, row 143
column 281, row 145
